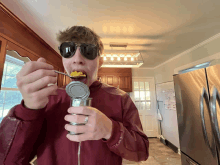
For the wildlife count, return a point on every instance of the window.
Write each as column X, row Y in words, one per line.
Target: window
column 142, row 95
column 9, row 93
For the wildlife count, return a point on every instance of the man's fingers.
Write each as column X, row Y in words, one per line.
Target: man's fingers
column 77, row 128
column 38, row 74
column 76, row 118
column 41, row 59
column 80, row 129
column 32, row 66
column 40, row 84
column 50, row 90
column 33, row 80
column 83, row 110
column 77, row 138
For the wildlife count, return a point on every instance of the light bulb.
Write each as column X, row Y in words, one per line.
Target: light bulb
column 112, row 58
column 105, row 58
column 125, row 58
column 132, row 58
column 118, row 58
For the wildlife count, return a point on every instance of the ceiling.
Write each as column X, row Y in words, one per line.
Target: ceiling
column 159, row 29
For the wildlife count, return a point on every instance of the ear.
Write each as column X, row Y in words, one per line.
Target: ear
column 100, row 62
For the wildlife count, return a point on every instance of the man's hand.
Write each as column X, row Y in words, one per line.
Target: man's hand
column 32, row 82
column 98, row 126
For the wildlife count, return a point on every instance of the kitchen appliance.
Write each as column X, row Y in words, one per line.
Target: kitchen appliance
column 198, row 113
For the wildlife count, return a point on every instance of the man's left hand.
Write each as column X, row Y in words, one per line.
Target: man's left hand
column 98, row 126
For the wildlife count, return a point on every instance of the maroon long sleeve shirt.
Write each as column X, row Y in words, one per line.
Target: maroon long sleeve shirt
column 25, row 133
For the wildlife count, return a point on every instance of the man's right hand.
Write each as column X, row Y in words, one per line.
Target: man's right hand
column 32, row 82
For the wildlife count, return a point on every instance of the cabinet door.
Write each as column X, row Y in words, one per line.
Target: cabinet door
column 102, row 78
column 112, row 80
column 125, row 83
column 117, row 77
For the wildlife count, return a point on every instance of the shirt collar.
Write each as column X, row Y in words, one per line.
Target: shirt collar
column 95, row 86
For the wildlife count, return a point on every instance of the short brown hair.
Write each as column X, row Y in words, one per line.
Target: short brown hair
column 81, row 34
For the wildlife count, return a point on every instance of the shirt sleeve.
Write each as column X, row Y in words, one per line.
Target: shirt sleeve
column 19, row 134
column 128, row 139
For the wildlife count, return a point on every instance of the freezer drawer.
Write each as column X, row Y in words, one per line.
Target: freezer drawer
column 187, row 160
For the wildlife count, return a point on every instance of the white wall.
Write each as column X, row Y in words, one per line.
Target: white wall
column 136, row 72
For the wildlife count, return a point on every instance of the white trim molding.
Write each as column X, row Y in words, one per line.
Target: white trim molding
column 203, row 60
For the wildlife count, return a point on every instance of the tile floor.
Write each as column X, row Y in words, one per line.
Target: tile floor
column 159, row 154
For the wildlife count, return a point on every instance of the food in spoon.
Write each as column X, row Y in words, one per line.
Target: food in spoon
column 77, row 74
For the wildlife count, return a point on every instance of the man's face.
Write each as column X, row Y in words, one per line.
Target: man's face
column 79, row 63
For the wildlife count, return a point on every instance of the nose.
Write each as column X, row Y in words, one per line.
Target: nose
column 78, row 57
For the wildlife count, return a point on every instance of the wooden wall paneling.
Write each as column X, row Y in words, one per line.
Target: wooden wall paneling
column 3, row 44
column 121, row 82
column 21, row 51
column 16, row 31
column 25, row 52
column 64, row 80
column 115, row 81
column 33, row 57
column 103, row 79
column 59, row 78
column 109, row 79
column 68, row 80
column 125, row 82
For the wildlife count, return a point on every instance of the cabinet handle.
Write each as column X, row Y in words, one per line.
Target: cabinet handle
column 204, row 95
column 215, row 97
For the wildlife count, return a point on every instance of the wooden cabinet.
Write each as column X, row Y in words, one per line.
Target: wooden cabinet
column 117, row 77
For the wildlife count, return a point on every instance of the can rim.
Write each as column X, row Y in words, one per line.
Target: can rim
column 78, row 84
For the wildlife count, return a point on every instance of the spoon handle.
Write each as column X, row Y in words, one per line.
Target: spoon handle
column 61, row 73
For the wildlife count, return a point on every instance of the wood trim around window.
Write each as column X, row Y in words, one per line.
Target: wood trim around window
column 16, row 35
column 3, row 44
column 16, row 31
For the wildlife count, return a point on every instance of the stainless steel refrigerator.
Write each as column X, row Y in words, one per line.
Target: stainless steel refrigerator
column 198, row 114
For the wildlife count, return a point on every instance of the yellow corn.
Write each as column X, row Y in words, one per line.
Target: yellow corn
column 74, row 74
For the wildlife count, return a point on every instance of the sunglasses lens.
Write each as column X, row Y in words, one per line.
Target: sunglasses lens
column 89, row 51
column 67, row 50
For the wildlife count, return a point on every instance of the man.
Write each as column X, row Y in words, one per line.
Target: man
column 40, row 124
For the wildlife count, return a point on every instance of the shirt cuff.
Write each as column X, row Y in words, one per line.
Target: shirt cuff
column 115, row 135
column 24, row 113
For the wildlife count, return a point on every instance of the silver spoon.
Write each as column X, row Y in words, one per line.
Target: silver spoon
column 67, row 74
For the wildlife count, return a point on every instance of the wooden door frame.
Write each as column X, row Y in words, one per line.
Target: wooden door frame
column 2, row 56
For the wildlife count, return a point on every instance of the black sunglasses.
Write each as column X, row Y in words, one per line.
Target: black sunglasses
column 68, row 49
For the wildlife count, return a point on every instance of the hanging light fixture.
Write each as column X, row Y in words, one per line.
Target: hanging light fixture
column 122, row 58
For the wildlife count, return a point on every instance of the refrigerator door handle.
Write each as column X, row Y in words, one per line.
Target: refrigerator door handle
column 215, row 97
column 204, row 95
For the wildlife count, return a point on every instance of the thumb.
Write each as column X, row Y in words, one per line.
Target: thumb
column 41, row 60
